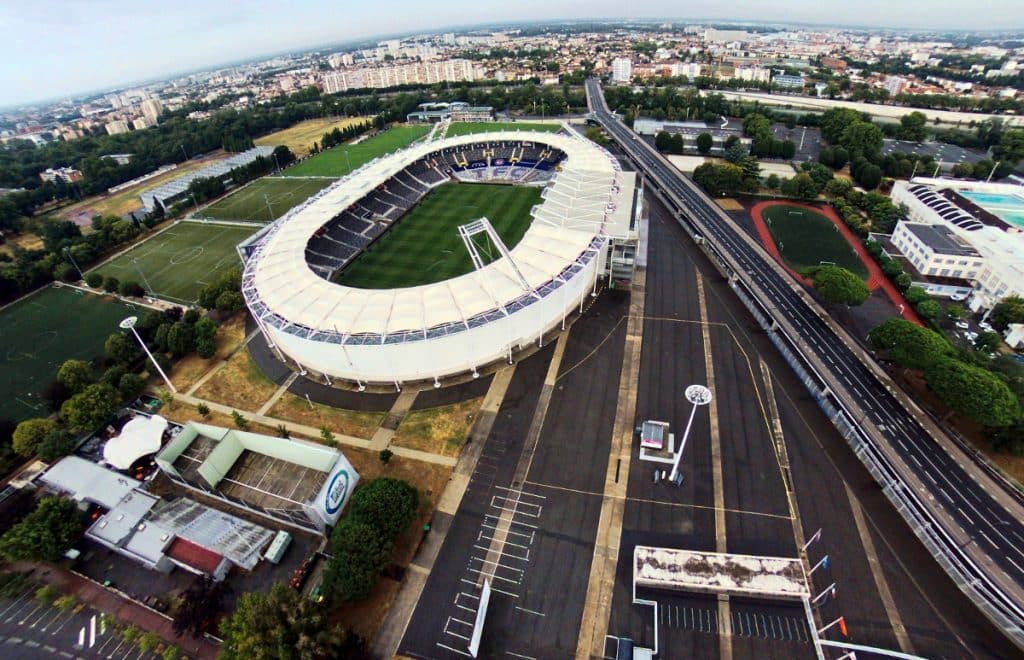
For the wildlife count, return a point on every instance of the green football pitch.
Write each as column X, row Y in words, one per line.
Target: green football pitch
column 806, row 238
column 424, row 246
column 177, row 263
column 265, row 200
column 42, row 331
column 467, row 128
column 342, row 159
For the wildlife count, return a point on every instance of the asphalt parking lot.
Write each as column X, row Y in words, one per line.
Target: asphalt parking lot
column 32, row 630
column 946, row 154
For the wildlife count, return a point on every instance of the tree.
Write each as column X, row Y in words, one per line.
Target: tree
column 92, row 407
column 913, row 127
column 908, row 344
column 675, row 143
column 801, row 185
column 230, row 301
column 662, row 141
column 835, row 121
column 862, row 139
column 1011, row 147
column 205, row 328
column 387, row 504
column 736, row 153
column 75, row 375
column 199, row 606
column 704, row 143
column 1008, row 310
column 94, row 280
column 181, row 339
column 57, row 444
column 773, row 182
column 111, row 284
column 121, row 349
column 206, row 348
column 988, row 342
column 718, row 179
column 973, row 392
column 131, row 385
column 929, row 310
column 285, row 625
column 839, row 286
column 869, row 176
column 45, row 534
column 131, row 289
column 360, row 551
column 30, row 434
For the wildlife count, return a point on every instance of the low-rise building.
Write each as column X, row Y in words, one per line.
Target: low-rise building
column 65, row 174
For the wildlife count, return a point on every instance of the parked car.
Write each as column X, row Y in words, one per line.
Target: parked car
column 963, row 325
column 986, row 326
column 958, row 297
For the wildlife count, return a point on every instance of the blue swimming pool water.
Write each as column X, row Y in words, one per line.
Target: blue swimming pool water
column 1008, row 207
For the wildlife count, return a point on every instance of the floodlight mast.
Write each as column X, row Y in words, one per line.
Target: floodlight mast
column 698, row 395
column 129, row 324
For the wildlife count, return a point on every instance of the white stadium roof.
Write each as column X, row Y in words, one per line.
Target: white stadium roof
column 587, row 202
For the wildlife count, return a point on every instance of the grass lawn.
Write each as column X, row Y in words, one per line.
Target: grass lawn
column 344, row 158
column 250, row 204
column 438, row 430
column 177, row 263
column 184, row 413
column 42, row 331
column 424, row 246
column 356, row 423
column 239, row 384
column 469, row 127
column 806, row 238
column 300, row 137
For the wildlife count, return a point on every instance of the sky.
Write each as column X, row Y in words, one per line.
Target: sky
column 52, row 48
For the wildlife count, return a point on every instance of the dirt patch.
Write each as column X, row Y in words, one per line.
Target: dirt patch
column 239, row 384
column 356, row 423
column 729, row 204
column 365, row 618
column 191, row 368
column 440, row 430
column 300, row 137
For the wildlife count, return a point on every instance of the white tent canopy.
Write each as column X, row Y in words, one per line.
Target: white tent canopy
column 139, row 437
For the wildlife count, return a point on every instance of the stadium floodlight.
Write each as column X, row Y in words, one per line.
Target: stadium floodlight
column 698, row 395
column 67, row 253
column 129, row 324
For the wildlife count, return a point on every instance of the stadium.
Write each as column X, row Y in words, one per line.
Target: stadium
column 390, row 276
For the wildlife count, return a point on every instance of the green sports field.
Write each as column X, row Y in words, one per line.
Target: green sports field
column 424, row 246
column 42, row 331
column 177, row 263
column 250, row 204
column 806, row 238
column 342, row 159
column 467, row 128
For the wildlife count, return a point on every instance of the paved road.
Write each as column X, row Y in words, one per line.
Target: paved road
column 995, row 537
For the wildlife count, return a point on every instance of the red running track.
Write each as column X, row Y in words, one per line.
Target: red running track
column 876, row 278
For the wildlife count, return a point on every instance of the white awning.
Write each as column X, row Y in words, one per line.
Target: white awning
column 139, row 437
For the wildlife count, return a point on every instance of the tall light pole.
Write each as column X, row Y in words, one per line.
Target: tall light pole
column 135, row 261
column 129, row 324
column 698, row 395
column 183, row 152
column 67, row 253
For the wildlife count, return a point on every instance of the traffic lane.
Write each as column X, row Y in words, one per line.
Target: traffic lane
column 503, row 447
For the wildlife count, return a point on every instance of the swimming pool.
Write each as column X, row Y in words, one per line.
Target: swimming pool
column 1009, row 207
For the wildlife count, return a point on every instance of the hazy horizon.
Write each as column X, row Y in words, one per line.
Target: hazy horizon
column 63, row 49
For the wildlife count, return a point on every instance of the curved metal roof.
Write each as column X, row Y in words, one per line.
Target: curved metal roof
column 580, row 205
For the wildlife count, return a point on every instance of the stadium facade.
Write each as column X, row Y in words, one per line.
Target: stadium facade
column 582, row 231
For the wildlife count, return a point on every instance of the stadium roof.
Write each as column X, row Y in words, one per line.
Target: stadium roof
column 588, row 201
column 177, row 186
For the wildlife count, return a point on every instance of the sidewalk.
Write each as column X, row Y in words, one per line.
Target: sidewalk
column 118, row 606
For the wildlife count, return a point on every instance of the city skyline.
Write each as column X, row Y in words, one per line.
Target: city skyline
column 117, row 44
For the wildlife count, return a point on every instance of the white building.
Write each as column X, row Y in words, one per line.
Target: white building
column 753, row 74
column 977, row 215
column 935, row 250
column 117, row 126
column 151, row 109
column 622, row 70
column 415, row 73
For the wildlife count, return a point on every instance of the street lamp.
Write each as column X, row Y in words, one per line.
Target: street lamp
column 698, row 395
column 67, row 253
column 129, row 324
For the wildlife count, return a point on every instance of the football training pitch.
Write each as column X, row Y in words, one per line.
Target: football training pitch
column 264, row 200
column 344, row 158
column 468, row 128
column 806, row 238
column 424, row 246
column 177, row 263
column 42, row 331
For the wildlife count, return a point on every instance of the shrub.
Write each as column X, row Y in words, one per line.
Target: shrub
column 47, row 594
column 385, row 455
column 202, row 409
column 65, row 603
column 240, row 421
